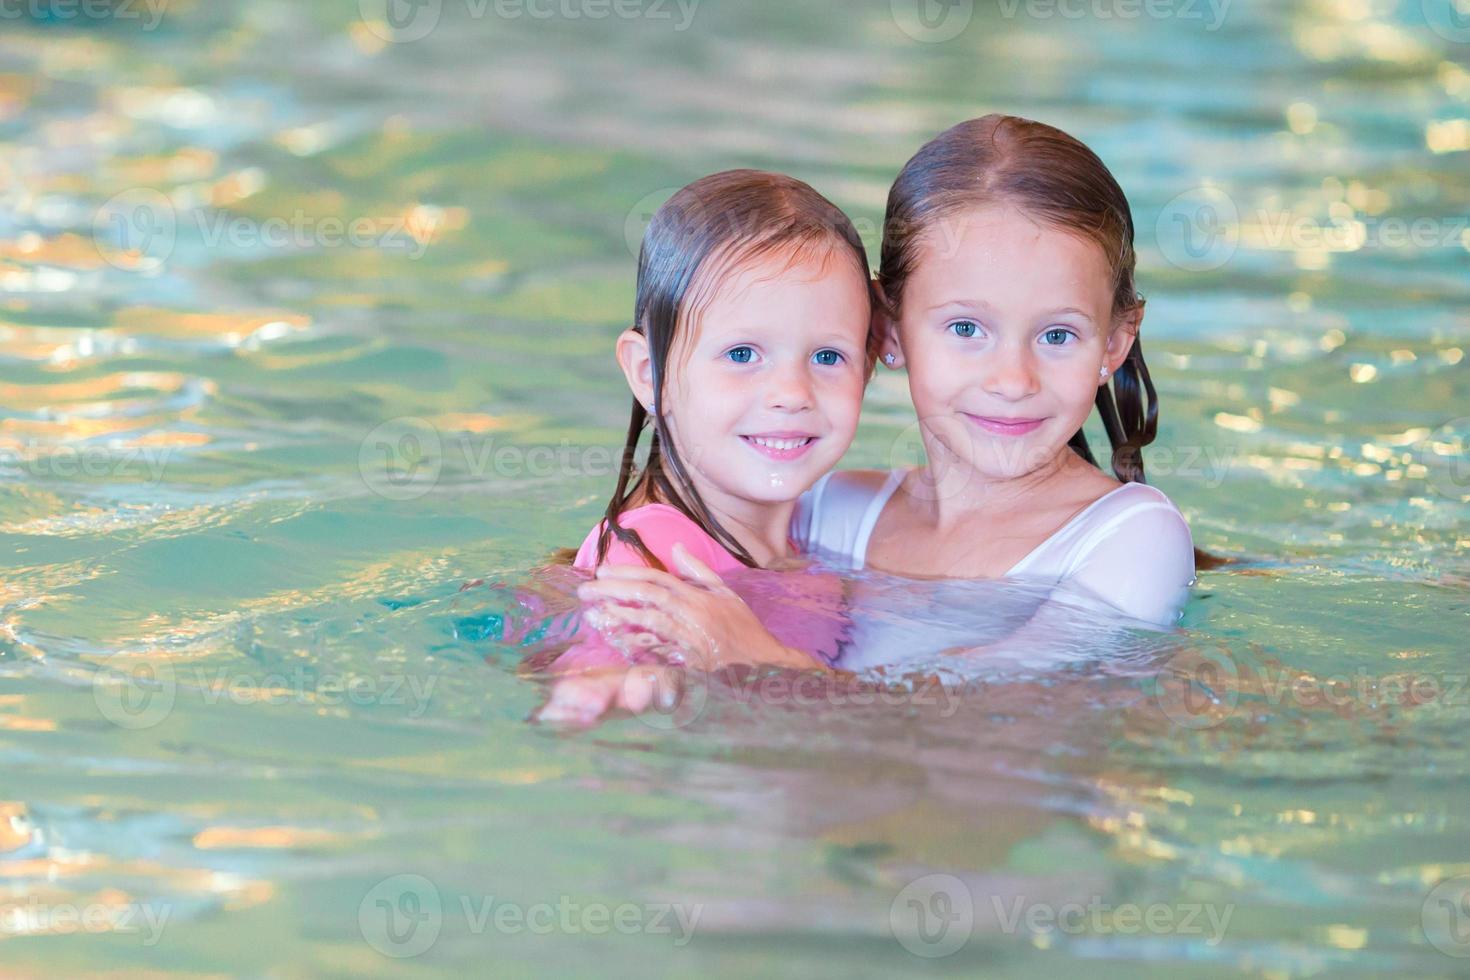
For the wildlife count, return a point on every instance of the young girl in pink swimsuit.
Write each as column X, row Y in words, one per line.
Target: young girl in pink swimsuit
column 1007, row 292
column 748, row 357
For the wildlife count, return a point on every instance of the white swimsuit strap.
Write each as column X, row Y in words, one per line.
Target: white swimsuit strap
column 871, row 515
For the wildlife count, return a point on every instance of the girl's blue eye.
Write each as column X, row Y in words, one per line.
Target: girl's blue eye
column 740, row 355
column 1056, row 336
column 964, row 328
column 828, row 358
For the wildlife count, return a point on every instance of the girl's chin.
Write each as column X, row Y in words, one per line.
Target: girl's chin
column 776, row 487
column 1019, row 462
column 773, row 482
column 777, row 491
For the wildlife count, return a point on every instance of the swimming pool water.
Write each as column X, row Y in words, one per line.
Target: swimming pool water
column 305, row 324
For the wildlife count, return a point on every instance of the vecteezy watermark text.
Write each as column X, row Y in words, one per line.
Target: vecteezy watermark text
column 937, row 21
column 151, row 12
column 1211, row 13
column 934, row 916
column 404, row 915
column 403, row 21
column 42, row 460
column 31, row 916
column 1203, row 228
column 137, row 693
column 1205, row 688
column 1097, row 917
column 403, row 458
column 139, row 229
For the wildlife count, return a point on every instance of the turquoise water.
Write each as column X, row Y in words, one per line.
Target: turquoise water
column 306, row 324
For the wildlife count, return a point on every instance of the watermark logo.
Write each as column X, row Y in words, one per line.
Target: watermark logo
column 1445, row 456
column 1198, row 689
column 907, row 450
column 401, row 916
column 1445, row 917
column 136, row 229
column 675, row 696
column 932, row 21
column 401, row 458
column 1199, row 230
column 401, row 21
column 691, row 212
column 946, row 474
column 933, row 916
column 133, row 693
column 640, row 215
column 1450, row 19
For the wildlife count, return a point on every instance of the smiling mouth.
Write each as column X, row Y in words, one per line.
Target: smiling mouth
column 780, row 447
column 1004, row 427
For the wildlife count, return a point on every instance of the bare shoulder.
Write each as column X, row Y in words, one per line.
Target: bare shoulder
column 1082, row 485
column 1093, row 484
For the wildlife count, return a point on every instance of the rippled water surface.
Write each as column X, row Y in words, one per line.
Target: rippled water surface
column 305, row 324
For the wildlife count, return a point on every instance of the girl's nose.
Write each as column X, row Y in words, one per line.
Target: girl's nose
column 1012, row 375
column 790, row 390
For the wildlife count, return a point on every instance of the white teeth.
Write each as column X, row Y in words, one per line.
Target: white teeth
column 779, row 444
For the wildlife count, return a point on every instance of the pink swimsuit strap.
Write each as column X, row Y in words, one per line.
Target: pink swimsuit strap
column 661, row 527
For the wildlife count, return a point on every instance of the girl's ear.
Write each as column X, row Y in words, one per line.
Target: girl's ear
column 637, row 365
column 1120, row 341
column 885, row 330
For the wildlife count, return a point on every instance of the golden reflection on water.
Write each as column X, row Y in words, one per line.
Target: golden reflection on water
column 15, row 829
column 232, row 329
column 277, row 838
column 1448, row 136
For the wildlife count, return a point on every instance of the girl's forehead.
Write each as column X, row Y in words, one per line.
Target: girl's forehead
column 999, row 225
column 736, row 268
column 732, row 278
column 1002, row 245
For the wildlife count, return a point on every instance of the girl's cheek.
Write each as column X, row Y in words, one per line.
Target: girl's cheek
column 716, row 379
column 850, row 403
column 934, row 377
column 1079, row 376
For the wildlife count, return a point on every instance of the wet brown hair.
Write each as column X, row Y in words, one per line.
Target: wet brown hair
column 709, row 228
column 1057, row 179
